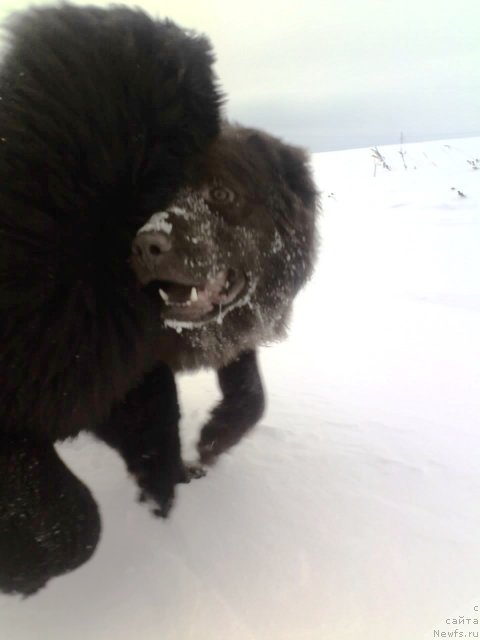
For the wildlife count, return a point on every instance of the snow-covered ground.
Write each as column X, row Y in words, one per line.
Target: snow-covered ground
column 353, row 511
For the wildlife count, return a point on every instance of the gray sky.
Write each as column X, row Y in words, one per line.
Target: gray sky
column 336, row 74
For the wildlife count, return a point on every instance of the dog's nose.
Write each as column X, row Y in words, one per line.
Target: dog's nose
column 150, row 245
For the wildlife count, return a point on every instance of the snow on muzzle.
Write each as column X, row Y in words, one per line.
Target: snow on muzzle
column 169, row 259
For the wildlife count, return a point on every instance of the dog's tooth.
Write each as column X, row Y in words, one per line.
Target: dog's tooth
column 163, row 295
column 193, row 294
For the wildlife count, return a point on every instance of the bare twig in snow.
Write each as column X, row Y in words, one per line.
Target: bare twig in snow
column 379, row 161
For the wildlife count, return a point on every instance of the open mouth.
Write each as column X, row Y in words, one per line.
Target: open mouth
column 198, row 301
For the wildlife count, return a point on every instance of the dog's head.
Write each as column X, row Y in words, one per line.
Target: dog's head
column 227, row 257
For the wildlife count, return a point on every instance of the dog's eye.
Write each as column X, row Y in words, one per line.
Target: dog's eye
column 220, row 195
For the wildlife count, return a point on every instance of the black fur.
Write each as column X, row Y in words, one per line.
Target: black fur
column 49, row 522
column 104, row 115
column 266, row 230
column 106, row 118
column 99, row 109
column 241, row 407
column 143, row 428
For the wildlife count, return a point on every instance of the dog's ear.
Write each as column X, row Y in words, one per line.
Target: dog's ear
column 290, row 164
column 297, row 174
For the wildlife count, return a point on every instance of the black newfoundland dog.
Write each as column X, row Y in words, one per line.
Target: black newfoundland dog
column 139, row 235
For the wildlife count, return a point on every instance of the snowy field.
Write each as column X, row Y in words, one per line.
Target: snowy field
column 353, row 511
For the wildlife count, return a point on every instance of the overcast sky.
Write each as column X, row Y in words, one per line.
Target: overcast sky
column 336, row 74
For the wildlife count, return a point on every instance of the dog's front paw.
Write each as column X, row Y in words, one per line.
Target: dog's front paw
column 215, row 438
column 192, row 471
column 156, row 481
